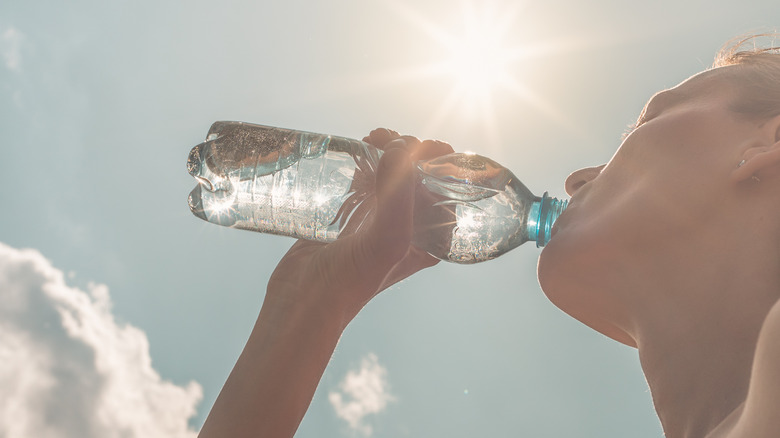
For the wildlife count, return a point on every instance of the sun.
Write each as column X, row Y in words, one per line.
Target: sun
column 477, row 48
column 478, row 59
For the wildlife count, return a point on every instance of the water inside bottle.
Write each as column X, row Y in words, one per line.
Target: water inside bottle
column 277, row 181
column 479, row 211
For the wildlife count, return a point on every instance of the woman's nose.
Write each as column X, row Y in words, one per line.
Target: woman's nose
column 579, row 177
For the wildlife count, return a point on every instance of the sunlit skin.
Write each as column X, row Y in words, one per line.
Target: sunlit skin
column 672, row 248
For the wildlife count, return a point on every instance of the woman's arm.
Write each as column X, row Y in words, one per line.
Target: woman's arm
column 276, row 375
column 315, row 291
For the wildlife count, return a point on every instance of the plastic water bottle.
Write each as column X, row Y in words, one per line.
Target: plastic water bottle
column 468, row 208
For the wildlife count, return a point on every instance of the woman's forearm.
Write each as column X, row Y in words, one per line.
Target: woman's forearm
column 274, row 379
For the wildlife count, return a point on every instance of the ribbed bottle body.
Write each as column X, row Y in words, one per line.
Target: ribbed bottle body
column 468, row 208
column 277, row 181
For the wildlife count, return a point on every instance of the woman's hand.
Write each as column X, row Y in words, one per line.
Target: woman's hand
column 341, row 277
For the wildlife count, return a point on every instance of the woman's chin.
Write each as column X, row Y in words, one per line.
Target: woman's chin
column 572, row 275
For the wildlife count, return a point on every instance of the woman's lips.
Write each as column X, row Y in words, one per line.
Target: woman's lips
column 561, row 221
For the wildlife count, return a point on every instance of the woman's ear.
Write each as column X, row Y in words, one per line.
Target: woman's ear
column 762, row 155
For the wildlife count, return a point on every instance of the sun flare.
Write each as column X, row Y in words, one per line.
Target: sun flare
column 478, row 60
column 480, row 50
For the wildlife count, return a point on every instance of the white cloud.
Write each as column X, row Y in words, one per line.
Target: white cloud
column 10, row 48
column 361, row 393
column 68, row 369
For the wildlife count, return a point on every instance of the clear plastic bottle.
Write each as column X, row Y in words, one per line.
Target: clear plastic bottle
column 468, row 208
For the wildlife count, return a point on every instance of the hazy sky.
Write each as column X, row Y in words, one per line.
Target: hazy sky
column 128, row 312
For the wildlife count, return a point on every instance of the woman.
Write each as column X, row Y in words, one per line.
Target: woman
column 673, row 247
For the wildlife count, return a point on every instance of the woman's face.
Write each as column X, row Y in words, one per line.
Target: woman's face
column 660, row 185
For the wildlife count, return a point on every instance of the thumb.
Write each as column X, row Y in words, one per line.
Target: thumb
column 390, row 233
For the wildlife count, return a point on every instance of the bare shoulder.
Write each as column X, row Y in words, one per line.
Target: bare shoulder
column 759, row 417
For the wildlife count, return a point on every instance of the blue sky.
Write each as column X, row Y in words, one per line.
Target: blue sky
column 100, row 102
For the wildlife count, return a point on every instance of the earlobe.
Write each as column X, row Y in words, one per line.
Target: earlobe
column 758, row 160
column 763, row 156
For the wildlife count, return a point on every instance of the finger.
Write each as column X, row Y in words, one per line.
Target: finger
column 408, row 143
column 390, row 233
column 411, row 141
column 431, row 149
column 398, row 143
column 380, row 137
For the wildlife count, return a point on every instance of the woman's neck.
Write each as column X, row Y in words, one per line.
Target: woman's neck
column 697, row 335
column 698, row 379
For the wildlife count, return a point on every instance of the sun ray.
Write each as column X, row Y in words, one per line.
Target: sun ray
column 476, row 50
column 491, row 129
column 478, row 60
column 443, row 111
column 538, row 103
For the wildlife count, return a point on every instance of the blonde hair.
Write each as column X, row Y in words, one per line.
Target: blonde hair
column 758, row 79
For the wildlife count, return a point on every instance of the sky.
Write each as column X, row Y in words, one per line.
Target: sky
column 121, row 314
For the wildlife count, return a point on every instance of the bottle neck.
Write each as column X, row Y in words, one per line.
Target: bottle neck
column 541, row 217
